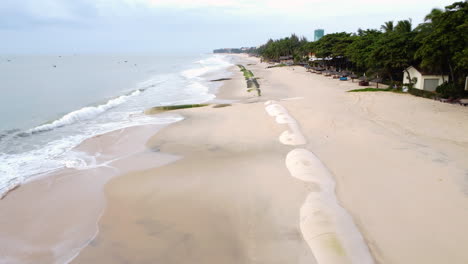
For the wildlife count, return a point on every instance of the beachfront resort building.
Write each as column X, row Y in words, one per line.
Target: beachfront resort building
column 423, row 80
column 288, row 60
column 318, row 34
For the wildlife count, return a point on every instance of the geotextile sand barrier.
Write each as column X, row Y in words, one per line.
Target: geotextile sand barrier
column 293, row 136
column 327, row 227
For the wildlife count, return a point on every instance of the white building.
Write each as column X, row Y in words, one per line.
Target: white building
column 423, row 80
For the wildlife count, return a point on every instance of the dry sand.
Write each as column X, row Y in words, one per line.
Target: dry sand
column 399, row 162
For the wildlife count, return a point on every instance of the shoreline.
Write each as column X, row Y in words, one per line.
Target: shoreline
column 129, row 153
column 379, row 156
column 190, row 211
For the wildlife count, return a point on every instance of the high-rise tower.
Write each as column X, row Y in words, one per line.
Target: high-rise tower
column 318, row 34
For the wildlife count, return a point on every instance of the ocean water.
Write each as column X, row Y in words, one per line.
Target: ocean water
column 50, row 104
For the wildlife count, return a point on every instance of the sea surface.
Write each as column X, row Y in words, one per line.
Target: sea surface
column 50, row 104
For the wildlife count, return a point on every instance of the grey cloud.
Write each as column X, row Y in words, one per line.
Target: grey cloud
column 28, row 14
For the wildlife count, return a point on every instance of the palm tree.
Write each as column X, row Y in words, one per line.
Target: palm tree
column 387, row 27
column 404, row 26
column 433, row 15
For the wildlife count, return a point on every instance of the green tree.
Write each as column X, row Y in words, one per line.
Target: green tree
column 289, row 46
column 387, row 26
column 440, row 44
column 443, row 40
column 404, row 26
column 333, row 45
column 394, row 51
column 360, row 50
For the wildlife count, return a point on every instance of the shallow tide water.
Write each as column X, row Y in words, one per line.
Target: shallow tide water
column 50, row 104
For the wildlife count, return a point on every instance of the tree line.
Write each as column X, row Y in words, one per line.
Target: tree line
column 438, row 45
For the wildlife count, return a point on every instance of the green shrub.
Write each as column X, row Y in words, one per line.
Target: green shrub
column 422, row 93
column 370, row 90
column 449, row 90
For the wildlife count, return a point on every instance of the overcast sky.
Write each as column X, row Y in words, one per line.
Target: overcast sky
column 161, row 26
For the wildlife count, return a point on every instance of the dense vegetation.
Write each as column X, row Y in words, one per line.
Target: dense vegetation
column 235, row 51
column 439, row 45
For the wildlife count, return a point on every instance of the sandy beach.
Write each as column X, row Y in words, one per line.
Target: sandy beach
column 224, row 186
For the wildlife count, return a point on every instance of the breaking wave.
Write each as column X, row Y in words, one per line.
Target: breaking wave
column 85, row 113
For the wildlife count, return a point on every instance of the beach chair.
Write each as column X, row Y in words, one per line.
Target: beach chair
column 463, row 102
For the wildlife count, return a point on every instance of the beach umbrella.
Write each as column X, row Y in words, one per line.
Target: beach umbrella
column 377, row 80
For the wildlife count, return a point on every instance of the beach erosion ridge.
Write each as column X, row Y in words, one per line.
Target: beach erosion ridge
column 304, row 173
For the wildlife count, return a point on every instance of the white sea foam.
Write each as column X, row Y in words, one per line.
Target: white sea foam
column 16, row 168
column 153, row 81
column 214, row 63
column 85, row 113
column 198, row 87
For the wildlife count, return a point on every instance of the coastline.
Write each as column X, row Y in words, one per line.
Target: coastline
column 239, row 199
